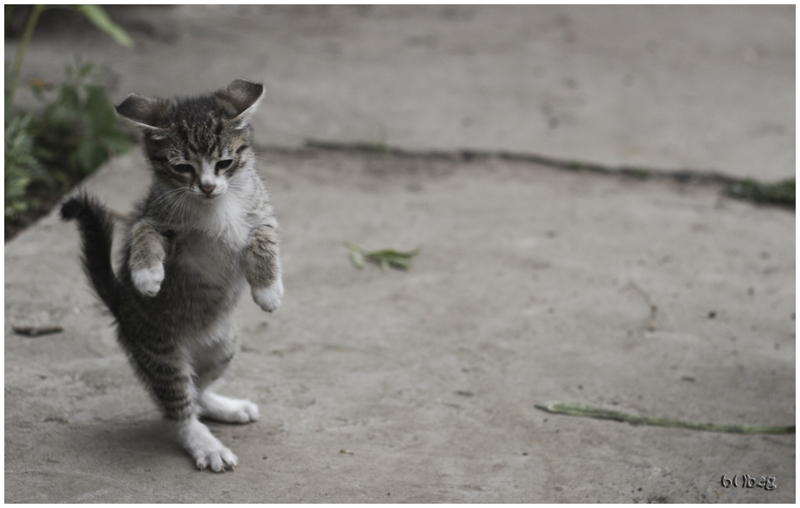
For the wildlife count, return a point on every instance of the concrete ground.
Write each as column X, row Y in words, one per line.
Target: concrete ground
column 532, row 283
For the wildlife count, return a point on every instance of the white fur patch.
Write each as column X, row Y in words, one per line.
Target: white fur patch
column 224, row 219
column 148, row 280
column 205, row 449
column 269, row 298
column 224, row 409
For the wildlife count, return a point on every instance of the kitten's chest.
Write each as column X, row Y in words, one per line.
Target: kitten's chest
column 207, row 260
column 225, row 223
column 213, row 248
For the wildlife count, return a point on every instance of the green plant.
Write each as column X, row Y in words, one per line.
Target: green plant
column 49, row 152
column 21, row 166
column 75, row 132
column 386, row 257
column 573, row 409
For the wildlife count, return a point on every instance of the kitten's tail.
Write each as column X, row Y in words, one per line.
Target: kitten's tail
column 96, row 227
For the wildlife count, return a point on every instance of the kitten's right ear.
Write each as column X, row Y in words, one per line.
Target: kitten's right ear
column 147, row 113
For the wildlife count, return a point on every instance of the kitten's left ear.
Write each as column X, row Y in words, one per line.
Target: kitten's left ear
column 244, row 96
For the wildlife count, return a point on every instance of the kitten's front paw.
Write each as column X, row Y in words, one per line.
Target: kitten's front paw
column 148, row 280
column 269, row 298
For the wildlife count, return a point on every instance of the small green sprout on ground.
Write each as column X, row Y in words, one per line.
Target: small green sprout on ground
column 386, row 258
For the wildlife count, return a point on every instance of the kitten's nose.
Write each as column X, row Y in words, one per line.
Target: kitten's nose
column 208, row 189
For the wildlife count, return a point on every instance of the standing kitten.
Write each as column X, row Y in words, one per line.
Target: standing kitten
column 205, row 227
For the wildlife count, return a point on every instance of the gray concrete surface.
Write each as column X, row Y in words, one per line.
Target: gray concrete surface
column 697, row 87
column 532, row 283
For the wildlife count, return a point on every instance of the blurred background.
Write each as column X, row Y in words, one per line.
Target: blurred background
column 654, row 87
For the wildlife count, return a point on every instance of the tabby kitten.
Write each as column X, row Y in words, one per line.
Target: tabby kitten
column 205, row 227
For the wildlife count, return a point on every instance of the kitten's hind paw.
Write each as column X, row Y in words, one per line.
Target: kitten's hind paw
column 148, row 280
column 269, row 298
column 225, row 409
column 206, row 450
column 217, row 460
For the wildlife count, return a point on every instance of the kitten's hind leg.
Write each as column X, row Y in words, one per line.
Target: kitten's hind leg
column 211, row 360
column 171, row 382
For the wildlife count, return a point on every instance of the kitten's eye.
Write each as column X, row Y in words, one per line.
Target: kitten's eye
column 223, row 164
column 183, row 168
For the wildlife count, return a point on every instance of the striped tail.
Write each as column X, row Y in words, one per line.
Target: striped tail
column 96, row 227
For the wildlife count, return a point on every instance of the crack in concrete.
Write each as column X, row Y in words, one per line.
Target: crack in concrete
column 693, row 176
column 731, row 186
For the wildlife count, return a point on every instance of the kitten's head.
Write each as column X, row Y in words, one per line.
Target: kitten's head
column 198, row 143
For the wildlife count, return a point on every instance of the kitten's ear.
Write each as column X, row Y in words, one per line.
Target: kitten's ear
column 244, row 96
column 146, row 113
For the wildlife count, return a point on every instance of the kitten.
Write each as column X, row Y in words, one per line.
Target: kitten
column 205, row 227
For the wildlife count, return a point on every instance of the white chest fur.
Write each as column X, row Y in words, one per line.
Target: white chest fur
column 213, row 247
column 224, row 220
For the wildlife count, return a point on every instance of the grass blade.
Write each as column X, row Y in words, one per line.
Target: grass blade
column 98, row 16
column 571, row 409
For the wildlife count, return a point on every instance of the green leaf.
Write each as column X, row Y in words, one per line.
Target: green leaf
column 98, row 16
column 100, row 112
column 68, row 98
column 386, row 258
column 90, row 155
column 357, row 258
column 21, row 167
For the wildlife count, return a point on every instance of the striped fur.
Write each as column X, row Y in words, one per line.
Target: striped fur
column 205, row 228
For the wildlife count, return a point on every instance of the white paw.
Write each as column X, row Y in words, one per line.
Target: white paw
column 224, row 409
column 269, row 298
column 148, row 281
column 205, row 449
